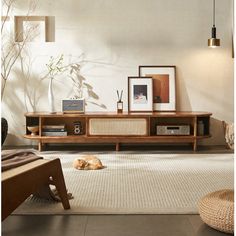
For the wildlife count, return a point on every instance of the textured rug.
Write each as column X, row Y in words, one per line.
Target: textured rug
column 139, row 184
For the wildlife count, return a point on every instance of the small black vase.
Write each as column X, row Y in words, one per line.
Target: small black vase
column 4, row 129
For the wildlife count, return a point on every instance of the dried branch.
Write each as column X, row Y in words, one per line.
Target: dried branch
column 11, row 51
column 8, row 5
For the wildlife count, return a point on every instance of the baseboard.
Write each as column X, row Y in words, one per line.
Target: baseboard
column 156, row 148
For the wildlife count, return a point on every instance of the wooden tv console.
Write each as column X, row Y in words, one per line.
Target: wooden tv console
column 119, row 128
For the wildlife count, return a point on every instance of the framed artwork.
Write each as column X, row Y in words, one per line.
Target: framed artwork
column 140, row 96
column 164, row 95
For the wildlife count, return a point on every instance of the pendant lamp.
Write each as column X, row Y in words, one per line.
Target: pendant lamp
column 213, row 41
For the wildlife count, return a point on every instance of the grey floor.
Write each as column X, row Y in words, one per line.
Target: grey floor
column 112, row 225
column 107, row 225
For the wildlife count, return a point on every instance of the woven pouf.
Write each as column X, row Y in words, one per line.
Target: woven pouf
column 217, row 210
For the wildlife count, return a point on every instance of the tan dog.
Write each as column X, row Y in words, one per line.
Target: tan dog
column 88, row 162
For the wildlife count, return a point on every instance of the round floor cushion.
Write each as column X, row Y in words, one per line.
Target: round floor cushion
column 217, row 210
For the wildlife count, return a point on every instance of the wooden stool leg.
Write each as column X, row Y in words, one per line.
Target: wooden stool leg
column 61, row 187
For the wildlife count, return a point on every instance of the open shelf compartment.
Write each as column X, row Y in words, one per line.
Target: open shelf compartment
column 171, row 121
column 69, row 123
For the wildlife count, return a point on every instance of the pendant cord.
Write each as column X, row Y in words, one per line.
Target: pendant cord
column 214, row 9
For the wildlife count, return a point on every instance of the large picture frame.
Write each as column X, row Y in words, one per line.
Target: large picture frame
column 164, row 92
column 140, row 94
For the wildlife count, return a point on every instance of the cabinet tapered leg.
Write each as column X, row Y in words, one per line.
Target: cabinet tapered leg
column 117, row 147
column 40, row 146
column 195, row 146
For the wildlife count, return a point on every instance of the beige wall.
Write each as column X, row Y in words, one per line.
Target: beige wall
column 118, row 36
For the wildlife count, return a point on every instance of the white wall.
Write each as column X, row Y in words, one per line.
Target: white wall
column 118, row 36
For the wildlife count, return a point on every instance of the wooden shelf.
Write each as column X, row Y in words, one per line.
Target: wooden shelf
column 124, row 114
column 203, row 136
column 29, row 136
column 63, row 137
column 120, row 128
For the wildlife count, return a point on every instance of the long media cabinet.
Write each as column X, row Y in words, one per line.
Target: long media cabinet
column 121, row 128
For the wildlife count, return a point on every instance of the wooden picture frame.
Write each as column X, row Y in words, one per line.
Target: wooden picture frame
column 140, row 94
column 164, row 92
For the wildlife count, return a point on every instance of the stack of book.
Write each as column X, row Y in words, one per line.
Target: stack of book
column 54, row 130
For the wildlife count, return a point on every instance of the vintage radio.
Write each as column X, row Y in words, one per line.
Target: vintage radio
column 73, row 105
column 173, row 129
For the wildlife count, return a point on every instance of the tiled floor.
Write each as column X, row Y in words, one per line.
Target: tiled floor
column 107, row 225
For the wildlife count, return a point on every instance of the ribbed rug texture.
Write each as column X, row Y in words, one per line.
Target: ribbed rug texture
column 139, row 184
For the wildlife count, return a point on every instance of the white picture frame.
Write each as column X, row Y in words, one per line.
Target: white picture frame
column 140, row 95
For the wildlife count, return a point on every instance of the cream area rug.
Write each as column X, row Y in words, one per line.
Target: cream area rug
column 139, row 184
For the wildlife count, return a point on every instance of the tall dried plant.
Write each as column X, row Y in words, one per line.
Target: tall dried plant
column 11, row 50
column 81, row 88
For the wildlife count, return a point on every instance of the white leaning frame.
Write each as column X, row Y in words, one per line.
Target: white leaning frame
column 140, row 94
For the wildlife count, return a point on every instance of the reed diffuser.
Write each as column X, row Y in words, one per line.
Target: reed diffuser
column 119, row 103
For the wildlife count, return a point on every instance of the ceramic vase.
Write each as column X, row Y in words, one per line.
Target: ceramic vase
column 51, row 97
